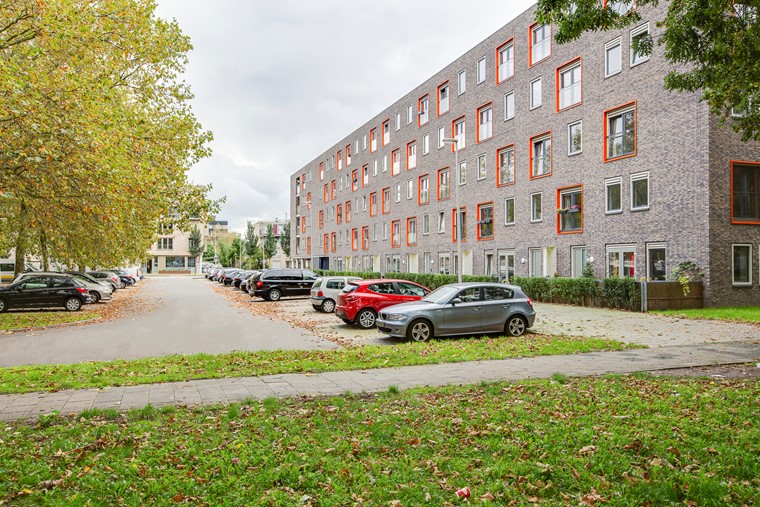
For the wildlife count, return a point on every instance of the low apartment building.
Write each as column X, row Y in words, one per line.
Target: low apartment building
column 567, row 155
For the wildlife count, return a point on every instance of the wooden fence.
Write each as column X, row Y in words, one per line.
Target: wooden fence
column 670, row 296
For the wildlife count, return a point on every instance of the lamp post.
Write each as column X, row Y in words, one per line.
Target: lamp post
column 455, row 142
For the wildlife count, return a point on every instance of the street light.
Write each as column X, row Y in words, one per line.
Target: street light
column 457, row 214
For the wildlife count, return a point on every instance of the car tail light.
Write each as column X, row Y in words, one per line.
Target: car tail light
column 530, row 302
column 320, row 294
column 81, row 290
column 259, row 284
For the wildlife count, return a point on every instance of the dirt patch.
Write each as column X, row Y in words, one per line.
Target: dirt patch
column 721, row 371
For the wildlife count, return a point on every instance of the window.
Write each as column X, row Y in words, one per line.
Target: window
column 425, row 144
column 374, row 232
column 506, row 264
column 409, row 189
column 613, row 195
column 354, row 239
column 321, row 171
column 165, row 244
column 535, row 93
column 395, row 162
column 485, row 123
column 509, row 106
column 333, row 241
column 505, row 61
column 365, row 237
column 455, row 221
column 577, row 260
column 444, row 263
column 398, row 121
column 365, row 175
column 386, row 132
column 441, row 137
column 462, row 82
column 339, row 158
column 373, row 204
column 444, row 189
column 535, row 207
column 398, row 192
column 535, row 262
column 372, row 140
column 386, row 200
column 423, row 106
column 348, row 155
column 569, row 210
column 621, row 260
column 485, row 221
column 540, row 43
column 385, row 163
column 482, row 167
column 742, row 263
column 505, row 173
column 458, row 133
column 575, row 138
column 656, row 261
column 620, row 6
column 411, row 231
column 569, row 85
column 364, row 142
column 441, row 222
column 385, row 231
column 348, row 211
column 332, row 189
column 411, row 156
column 354, row 180
column 425, row 224
column 443, row 98
column 462, row 172
column 396, row 233
column 423, row 190
column 409, row 114
column 638, row 35
column 620, row 132
column 541, row 155
column 364, row 203
column 639, row 191
column 613, row 61
column 509, row 211
column 480, row 75
column 745, row 193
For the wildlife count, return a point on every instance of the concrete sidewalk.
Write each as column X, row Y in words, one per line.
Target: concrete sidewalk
column 30, row 406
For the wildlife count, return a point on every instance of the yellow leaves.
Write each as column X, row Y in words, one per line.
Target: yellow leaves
column 587, row 450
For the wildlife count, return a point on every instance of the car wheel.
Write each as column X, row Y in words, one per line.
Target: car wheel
column 328, row 306
column 3, row 306
column 73, row 304
column 419, row 331
column 515, row 326
column 123, row 285
column 366, row 319
column 274, row 295
column 95, row 297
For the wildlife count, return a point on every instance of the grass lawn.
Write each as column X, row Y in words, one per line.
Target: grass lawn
column 40, row 318
column 617, row 441
column 749, row 314
column 243, row 364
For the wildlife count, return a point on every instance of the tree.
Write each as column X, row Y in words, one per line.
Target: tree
column 236, row 251
column 195, row 246
column 711, row 44
column 251, row 240
column 270, row 243
column 209, row 253
column 96, row 131
column 285, row 239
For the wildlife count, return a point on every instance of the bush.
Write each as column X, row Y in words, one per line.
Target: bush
column 617, row 292
column 573, row 291
column 430, row 280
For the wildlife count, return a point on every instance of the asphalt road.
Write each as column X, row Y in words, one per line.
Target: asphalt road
column 190, row 318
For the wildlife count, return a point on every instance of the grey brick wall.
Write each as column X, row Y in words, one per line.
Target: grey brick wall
column 677, row 144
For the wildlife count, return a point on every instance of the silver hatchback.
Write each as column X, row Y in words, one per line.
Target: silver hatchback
column 459, row 309
column 325, row 290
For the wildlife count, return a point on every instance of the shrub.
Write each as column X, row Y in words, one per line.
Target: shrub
column 558, row 290
column 621, row 292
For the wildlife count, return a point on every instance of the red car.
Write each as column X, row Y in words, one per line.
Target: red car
column 360, row 300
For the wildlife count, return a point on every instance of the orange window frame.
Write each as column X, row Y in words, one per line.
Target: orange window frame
column 333, row 241
column 606, row 125
column 480, row 206
column 453, row 133
column 559, row 204
column 365, row 237
column 303, row 224
column 408, row 154
column 325, row 193
column 339, row 160
column 373, row 137
column 354, row 180
column 308, row 245
column 347, row 209
column 455, row 224
column 539, row 137
column 557, row 83
column 321, row 219
column 321, row 171
column 333, row 188
column 396, row 236
column 419, row 110
column 395, row 160
column 438, row 186
column 373, row 204
column 338, row 214
column 354, row 239
column 365, row 175
column 531, row 63
column 499, row 80
column 445, row 84
column 348, row 155
column 409, row 221
column 325, row 243
column 386, row 128
column 386, row 200
column 425, row 177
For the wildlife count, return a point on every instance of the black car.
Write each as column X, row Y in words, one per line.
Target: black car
column 44, row 291
column 273, row 284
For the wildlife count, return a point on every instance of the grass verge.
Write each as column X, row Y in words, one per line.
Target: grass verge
column 41, row 318
column 750, row 314
column 631, row 440
column 245, row 364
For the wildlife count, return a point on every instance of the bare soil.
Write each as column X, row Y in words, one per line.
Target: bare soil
column 721, row 371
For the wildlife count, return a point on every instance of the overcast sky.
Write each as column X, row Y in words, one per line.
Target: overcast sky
column 279, row 81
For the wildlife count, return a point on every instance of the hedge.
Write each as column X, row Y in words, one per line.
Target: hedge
column 429, row 280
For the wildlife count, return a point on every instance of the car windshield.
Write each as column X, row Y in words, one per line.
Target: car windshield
column 317, row 283
column 441, row 295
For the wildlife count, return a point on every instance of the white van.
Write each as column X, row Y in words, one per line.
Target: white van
column 7, row 266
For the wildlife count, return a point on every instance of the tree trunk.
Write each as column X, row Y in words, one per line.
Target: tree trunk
column 21, row 240
column 43, row 247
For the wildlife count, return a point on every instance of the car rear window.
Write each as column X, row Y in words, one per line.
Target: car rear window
column 335, row 283
column 349, row 288
column 316, row 283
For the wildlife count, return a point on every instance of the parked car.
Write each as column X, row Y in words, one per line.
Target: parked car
column 247, row 279
column 360, row 301
column 238, row 278
column 273, row 284
column 39, row 291
column 128, row 279
column 108, row 276
column 98, row 291
column 325, row 290
column 7, row 269
column 227, row 275
column 460, row 308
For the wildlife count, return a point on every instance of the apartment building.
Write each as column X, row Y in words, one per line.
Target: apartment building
column 566, row 155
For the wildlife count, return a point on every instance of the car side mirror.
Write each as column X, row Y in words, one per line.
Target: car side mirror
column 455, row 301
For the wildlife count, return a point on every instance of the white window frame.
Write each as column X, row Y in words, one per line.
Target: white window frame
column 485, row 123
column 621, row 250
column 534, row 96
column 570, row 126
column 546, row 160
column 536, row 217
column 441, row 228
column 441, row 137
column 509, row 64
column 409, row 189
column 462, row 82
column 509, row 105
column 364, row 142
column 533, row 269
column 409, row 114
column 635, row 32
column 425, row 144
column 374, row 167
column 609, row 46
column 385, row 163
column 481, row 165
column 575, row 272
column 656, row 246
column 577, row 85
column 398, row 121
column 618, row 181
column 425, row 224
column 446, row 101
column 506, row 207
column 462, row 172
column 733, row 261
column 411, row 155
column 639, row 177
column 398, row 192
column 480, row 71
column 460, row 134
column 546, row 41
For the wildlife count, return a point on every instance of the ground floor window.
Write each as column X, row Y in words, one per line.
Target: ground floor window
column 175, row 262
column 444, row 263
column 428, row 263
column 535, row 262
column 489, row 263
column 742, row 262
column 621, row 260
column 506, row 261
column 656, row 268
column 577, row 260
